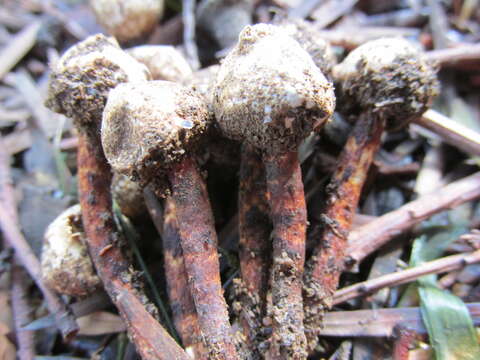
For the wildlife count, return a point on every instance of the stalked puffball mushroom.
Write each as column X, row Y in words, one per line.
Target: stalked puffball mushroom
column 129, row 196
column 148, row 132
column 310, row 40
column 128, row 20
column 270, row 94
column 384, row 84
column 79, row 85
column 66, row 265
column 163, row 61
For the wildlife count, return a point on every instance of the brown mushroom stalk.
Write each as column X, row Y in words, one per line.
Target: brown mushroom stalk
column 78, row 88
column 254, row 234
column 181, row 301
column 270, row 95
column 391, row 83
column 149, row 136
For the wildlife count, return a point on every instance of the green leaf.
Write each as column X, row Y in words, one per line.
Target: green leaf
column 450, row 328
column 446, row 317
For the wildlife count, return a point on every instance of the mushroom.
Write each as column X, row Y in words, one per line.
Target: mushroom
column 166, row 63
column 148, row 132
column 128, row 196
column 128, row 20
column 270, row 95
column 163, row 61
column 78, row 88
column 66, row 266
column 387, row 82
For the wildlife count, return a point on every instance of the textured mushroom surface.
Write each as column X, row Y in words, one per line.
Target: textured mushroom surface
column 390, row 77
column 268, row 91
column 163, row 61
column 85, row 74
column 128, row 19
column 128, row 195
column 308, row 37
column 148, row 126
column 66, row 265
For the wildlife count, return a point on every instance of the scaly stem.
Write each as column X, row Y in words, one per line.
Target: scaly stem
column 326, row 264
column 289, row 217
column 94, row 177
column 254, row 235
column 199, row 244
column 181, row 301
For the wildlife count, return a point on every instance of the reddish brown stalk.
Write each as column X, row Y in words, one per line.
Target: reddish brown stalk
column 181, row 302
column 199, row 245
column 254, row 236
column 64, row 319
column 326, row 264
column 289, row 218
column 94, row 177
column 22, row 312
column 370, row 237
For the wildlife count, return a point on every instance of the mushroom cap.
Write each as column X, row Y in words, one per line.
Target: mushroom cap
column 390, row 77
column 66, row 265
column 163, row 61
column 308, row 37
column 149, row 126
column 128, row 19
column 128, row 195
column 85, row 74
column 269, row 93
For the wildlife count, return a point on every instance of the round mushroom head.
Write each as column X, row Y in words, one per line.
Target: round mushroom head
column 128, row 19
column 149, row 126
column 269, row 93
column 389, row 77
column 85, row 74
column 66, row 265
column 163, row 61
column 309, row 38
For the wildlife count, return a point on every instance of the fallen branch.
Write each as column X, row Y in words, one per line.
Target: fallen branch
column 380, row 322
column 442, row 265
column 450, row 131
column 22, row 312
column 64, row 319
column 370, row 237
column 452, row 56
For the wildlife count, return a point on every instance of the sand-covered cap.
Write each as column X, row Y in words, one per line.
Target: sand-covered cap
column 269, row 93
column 149, row 126
column 66, row 265
column 308, row 37
column 128, row 19
column 163, row 61
column 85, row 74
column 388, row 76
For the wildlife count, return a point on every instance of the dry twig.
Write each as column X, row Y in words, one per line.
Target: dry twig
column 452, row 132
column 442, row 265
column 64, row 319
column 368, row 238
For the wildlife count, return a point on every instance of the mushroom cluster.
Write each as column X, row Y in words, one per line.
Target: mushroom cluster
column 272, row 91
